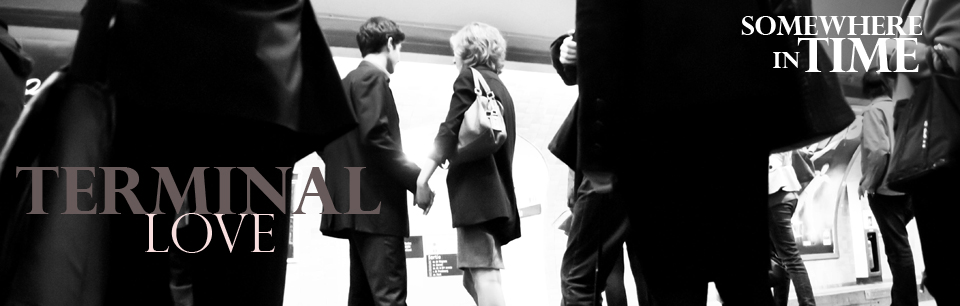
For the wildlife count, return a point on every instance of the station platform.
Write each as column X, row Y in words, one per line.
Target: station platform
column 860, row 295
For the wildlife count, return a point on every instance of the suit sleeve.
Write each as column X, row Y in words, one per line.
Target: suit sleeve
column 379, row 144
column 875, row 148
column 567, row 72
column 448, row 135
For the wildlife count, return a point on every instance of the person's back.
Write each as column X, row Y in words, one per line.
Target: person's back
column 892, row 209
column 688, row 93
column 377, row 228
column 210, row 83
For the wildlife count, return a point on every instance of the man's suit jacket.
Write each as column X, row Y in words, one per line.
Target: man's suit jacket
column 376, row 145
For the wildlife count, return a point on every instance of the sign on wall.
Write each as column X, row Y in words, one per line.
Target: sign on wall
column 442, row 265
column 413, row 246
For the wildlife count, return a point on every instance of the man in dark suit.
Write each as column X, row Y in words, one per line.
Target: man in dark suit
column 377, row 227
column 679, row 82
column 240, row 85
column 599, row 226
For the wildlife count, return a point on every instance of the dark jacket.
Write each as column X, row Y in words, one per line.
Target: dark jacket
column 481, row 191
column 564, row 144
column 661, row 78
column 240, row 61
column 15, row 67
column 182, row 70
column 376, row 145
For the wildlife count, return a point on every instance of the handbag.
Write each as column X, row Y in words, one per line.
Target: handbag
column 928, row 134
column 821, row 110
column 56, row 258
column 483, row 130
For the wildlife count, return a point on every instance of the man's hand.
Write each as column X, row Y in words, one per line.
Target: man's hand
column 568, row 50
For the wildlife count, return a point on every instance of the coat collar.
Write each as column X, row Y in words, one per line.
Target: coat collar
column 370, row 65
column 484, row 68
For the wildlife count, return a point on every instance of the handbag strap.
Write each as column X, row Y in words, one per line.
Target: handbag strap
column 479, row 82
column 90, row 53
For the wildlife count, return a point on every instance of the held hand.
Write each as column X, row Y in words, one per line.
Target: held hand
column 568, row 51
column 424, row 197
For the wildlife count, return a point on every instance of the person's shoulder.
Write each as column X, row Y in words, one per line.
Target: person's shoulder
column 880, row 106
column 465, row 73
column 464, row 79
column 365, row 74
column 875, row 105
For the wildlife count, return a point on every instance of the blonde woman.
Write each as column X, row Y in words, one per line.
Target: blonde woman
column 482, row 200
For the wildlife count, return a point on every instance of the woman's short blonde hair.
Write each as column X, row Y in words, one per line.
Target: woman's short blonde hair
column 479, row 44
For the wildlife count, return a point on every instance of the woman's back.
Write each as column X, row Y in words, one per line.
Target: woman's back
column 483, row 190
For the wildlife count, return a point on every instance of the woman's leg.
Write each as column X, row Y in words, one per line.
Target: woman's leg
column 469, row 285
column 781, row 231
column 487, row 286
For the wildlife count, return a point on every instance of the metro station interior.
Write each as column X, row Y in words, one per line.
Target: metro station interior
column 838, row 239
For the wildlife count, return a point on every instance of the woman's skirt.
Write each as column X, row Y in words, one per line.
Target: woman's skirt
column 477, row 248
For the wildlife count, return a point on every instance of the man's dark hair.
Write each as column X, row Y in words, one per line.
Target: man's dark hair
column 374, row 33
column 874, row 84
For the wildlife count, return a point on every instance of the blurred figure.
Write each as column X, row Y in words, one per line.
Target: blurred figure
column 378, row 269
column 684, row 93
column 892, row 209
column 783, row 189
column 933, row 204
column 206, row 83
column 15, row 67
column 482, row 198
column 599, row 224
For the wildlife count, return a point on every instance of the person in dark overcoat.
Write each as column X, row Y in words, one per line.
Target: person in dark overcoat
column 198, row 84
column 670, row 91
column 598, row 228
column 378, row 270
column 482, row 199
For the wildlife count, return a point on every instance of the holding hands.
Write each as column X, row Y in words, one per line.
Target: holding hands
column 424, row 197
